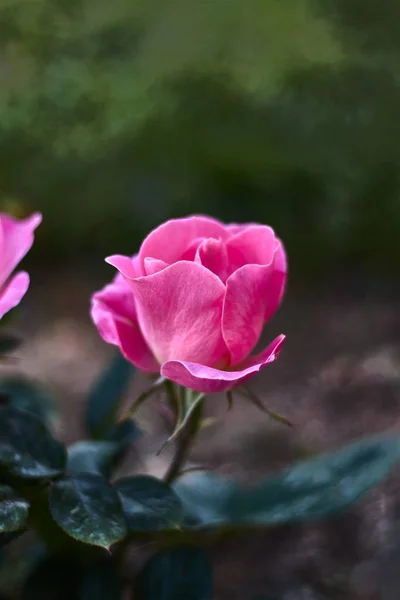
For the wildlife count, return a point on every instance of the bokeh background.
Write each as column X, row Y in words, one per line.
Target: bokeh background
column 115, row 116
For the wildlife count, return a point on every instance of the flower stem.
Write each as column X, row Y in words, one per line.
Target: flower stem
column 192, row 411
column 143, row 396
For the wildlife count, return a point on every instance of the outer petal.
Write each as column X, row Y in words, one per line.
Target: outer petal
column 114, row 314
column 235, row 228
column 179, row 312
column 245, row 306
column 170, row 240
column 205, row 379
column 16, row 238
column 124, row 264
column 277, row 283
column 14, row 291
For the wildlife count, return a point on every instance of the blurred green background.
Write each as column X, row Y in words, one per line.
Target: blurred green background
column 117, row 115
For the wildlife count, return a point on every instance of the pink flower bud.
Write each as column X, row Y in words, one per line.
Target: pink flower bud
column 192, row 303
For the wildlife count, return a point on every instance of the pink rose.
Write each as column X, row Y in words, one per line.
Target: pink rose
column 16, row 238
column 192, row 303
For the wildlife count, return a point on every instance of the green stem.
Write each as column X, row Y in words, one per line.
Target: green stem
column 175, row 401
column 190, row 425
column 143, row 396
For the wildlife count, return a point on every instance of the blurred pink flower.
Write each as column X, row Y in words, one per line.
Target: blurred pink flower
column 16, row 238
column 192, row 303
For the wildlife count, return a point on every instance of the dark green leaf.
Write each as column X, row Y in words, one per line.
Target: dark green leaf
column 149, row 504
column 27, row 449
column 103, row 582
column 21, row 392
column 100, row 456
column 205, row 498
column 318, row 487
column 105, row 397
column 88, row 509
column 181, row 573
column 309, row 490
column 92, row 457
column 13, row 510
column 125, row 433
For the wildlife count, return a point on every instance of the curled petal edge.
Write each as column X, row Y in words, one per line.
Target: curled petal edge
column 209, row 380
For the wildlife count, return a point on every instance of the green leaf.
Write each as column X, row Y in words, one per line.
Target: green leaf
column 178, row 573
column 13, row 510
column 27, row 449
column 205, row 498
column 149, row 504
column 21, row 392
column 88, row 509
column 317, row 488
column 307, row 491
column 92, row 457
column 100, row 456
column 125, row 433
column 105, row 397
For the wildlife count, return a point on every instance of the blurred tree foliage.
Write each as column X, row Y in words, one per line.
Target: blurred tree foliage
column 116, row 115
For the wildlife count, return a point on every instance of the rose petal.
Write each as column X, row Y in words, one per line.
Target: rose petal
column 117, row 299
column 124, row 264
column 207, row 380
column 190, row 252
column 171, row 239
column 244, row 309
column 105, row 323
column 213, row 255
column 133, row 346
column 12, row 294
column 255, row 244
column 114, row 314
column 277, row 282
column 179, row 312
column 235, row 228
column 153, row 265
column 16, row 238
